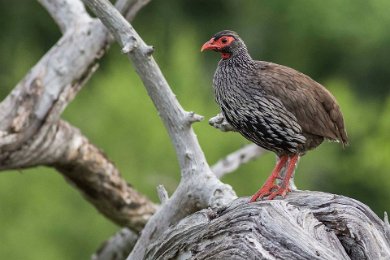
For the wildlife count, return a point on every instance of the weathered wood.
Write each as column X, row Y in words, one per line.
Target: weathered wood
column 118, row 247
column 32, row 133
column 233, row 161
column 220, row 123
column 305, row 225
column 199, row 187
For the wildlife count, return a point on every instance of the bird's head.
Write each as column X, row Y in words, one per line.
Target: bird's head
column 228, row 43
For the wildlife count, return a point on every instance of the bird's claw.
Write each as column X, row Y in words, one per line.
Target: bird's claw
column 264, row 192
column 279, row 192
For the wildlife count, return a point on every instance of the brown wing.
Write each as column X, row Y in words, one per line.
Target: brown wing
column 313, row 105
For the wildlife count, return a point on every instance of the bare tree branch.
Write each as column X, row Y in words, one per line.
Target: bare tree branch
column 220, row 123
column 130, row 7
column 66, row 13
column 86, row 167
column 26, row 108
column 32, row 134
column 234, row 160
column 118, row 247
column 304, row 225
column 162, row 194
column 199, row 187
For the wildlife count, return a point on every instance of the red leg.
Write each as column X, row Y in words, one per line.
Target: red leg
column 284, row 188
column 269, row 184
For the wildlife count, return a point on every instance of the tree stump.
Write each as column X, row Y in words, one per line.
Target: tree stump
column 304, row 225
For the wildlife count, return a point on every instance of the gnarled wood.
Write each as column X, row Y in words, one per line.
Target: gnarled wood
column 199, row 187
column 118, row 247
column 305, row 225
column 32, row 133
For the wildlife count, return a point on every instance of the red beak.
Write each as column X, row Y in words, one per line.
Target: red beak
column 210, row 45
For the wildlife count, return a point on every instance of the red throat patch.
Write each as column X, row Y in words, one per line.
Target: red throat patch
column 225, row 55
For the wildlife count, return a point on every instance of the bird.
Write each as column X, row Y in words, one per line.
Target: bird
column 276, row 107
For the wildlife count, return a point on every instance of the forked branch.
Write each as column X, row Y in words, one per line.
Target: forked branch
column 199, row 188
column 31, row 130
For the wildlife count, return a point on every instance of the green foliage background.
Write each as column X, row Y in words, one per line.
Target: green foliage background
column 342, row 44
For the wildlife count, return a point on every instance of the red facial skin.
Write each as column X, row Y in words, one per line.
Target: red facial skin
column 218, row 45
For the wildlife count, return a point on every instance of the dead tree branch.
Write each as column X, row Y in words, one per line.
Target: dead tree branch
column 234, row 160
column 67, row 14
column 31, row 130
column 118, row 247
column 220, row 123
column 199, row 188
column 305, row 225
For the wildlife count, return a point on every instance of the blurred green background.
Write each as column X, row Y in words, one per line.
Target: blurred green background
column 345, row 45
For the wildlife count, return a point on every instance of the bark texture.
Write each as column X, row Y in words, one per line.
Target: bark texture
column 32, row 133
column 118, row 247
column 305, row 225
column 199, row 187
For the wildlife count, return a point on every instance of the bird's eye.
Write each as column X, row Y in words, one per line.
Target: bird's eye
column 224, row 40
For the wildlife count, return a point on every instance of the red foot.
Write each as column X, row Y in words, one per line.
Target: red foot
column 270, row 189
column 280, row 192
column 265, row 191
column 269, row 184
